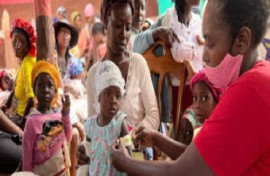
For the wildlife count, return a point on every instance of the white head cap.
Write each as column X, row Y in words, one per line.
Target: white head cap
column 108, row 74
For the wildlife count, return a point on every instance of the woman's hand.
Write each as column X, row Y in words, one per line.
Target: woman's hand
column 144, row 137
column 165, row 34
column 81, row 155
column 65, row 104
column 119, row 156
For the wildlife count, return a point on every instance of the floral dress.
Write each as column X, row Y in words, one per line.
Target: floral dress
column 101, row 139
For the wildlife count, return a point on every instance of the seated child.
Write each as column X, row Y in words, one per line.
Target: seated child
column 205, row 98
column 47, row 131
column 103, row 129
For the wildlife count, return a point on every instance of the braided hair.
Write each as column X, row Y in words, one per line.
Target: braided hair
column 107, row 6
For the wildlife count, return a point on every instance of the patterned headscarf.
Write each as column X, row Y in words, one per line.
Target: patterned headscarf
column 29, row 29
column 201, row 77
column 47, row 67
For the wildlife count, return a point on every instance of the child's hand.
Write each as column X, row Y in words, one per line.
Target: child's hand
column 65, row 104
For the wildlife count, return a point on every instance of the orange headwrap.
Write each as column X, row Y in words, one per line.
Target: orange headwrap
column 47, row 67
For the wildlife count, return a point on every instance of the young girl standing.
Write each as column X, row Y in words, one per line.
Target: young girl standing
column 47, row 131
column 105, row 128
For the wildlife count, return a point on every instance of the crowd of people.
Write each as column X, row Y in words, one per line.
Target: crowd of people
column 96, row 113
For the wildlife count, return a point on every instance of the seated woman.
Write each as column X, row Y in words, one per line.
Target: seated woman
column 235, row 139
column 23, row 41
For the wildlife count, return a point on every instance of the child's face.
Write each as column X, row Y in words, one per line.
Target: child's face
column 139, row 13
column 185, row 131
column 109, row 100
column 44, row 89
column 203, row 101
column 7, row 81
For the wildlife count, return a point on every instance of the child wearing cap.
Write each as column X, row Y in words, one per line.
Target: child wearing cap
column 205, row 98
column 104, row 128
column 47, row 131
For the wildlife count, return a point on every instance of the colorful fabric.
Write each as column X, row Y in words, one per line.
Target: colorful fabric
column 29, row 29
column 23, row 88
column 45, row 137
column 201, row 77
column 235, row 139
column 75, row 67
column 102, row 138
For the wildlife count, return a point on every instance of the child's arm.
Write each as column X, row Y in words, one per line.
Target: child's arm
column 80, row 128
column 66, row 119
column 124, row 129
column 28, row 145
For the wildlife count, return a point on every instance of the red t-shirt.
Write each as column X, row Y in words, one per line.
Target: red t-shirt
column 236, row 138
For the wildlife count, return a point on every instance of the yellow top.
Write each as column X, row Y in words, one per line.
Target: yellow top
column 23, row 88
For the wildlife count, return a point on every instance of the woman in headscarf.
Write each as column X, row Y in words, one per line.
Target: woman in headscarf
column 24, row 45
